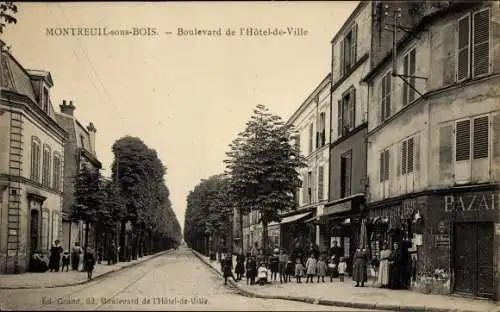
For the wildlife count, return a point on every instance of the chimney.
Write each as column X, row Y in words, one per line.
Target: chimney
column 67, row 109
column 92, row 131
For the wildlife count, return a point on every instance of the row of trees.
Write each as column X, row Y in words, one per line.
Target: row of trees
column 262, row 175
column 133, row 207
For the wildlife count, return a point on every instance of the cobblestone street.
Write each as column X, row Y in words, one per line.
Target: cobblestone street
column 174, row 281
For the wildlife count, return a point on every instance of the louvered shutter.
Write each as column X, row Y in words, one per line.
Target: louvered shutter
column 311, row 138
column 404, row 149
column 304, row 188
column 481, row 43
column 496, row 135
column 382, row 99
column 382, row 163
column 348, row 166
column 317, row 139
column 386, row 165
column 411, row 71
column 462, row 140
column 320, row 183
column 417, row 152
column 480, row 138
column 354, row 44
column 410, row 148
column 388, row 85
column 342, row 58
column 339, row 118
column 405, row 85
column 463, row 53
column 445, row 152
column 352, row 109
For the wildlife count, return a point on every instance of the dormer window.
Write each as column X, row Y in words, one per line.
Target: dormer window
column 82, row 140
column 45, row 99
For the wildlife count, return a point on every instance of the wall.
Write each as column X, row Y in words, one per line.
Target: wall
column 357, row 144
column 4, row 139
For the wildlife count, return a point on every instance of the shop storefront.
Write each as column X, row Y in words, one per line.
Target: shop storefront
column 295, row 233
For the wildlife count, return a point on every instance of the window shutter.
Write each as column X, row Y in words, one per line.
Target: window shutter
column 320, row 183
column 404, row 157
column 339, row 119
column 462, row 140
column 417, row 152
column 411, row 71
column 386, row 165
column 317, row 139
column 354, row 44
column 382, row 99
column 311, row 137
column 463, row 53
column 348, row 164
column 342, row 58
column 388, row 91
column 481, row 137
column 410, row 147
column 352, row 109
column 445, row 152
column 496, row 135
column 382, row 163
column 405, row 85
column 304, row 188
column 481, row 43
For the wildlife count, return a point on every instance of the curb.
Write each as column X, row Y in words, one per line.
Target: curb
column 93, row 279
column 329, row 302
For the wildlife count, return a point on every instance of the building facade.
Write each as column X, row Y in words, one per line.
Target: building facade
column 350, row 62
column 433, row 139
column 31, row 165
column 79, row 150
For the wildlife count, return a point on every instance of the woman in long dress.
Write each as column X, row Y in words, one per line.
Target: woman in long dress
column 360, row 272
column 383, row 271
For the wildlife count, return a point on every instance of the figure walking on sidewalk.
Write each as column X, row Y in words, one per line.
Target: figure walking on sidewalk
column 360, row 273
column 89, row 261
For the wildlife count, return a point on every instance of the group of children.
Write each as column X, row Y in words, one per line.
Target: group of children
column 261, row 271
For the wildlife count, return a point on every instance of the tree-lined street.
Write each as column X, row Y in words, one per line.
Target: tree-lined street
column 175, row 281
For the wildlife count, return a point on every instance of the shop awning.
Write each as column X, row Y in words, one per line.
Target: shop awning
column 295, row 217
column 310, row 220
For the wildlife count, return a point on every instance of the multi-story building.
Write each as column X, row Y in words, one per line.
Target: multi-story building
column 31, row 165
column 79, row 150
column 350, row 62
column 300, row 228
column 434, row 137
column 252, row 232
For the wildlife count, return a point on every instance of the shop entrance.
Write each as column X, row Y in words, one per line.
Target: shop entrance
column 473, row 259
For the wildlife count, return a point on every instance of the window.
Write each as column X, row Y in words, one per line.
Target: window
column 345, row 174
column 346, row 107
column 45, row 230
column 320, row 182
column 384, row 165
column 45, row 99
column 348, row 47
column 55, row 225
column 409, row 68
column 311, row 137
column 406, row 160
column 56, row 177
column 46, row 166
column 309, row 187
column 320, row 135
column 297, row 142
column 35, row 159
column 385, row 94
column 82, row 141
column 473, row 45
column 472, row 138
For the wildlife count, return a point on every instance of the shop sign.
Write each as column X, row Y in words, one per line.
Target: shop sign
column 341, row 207
column 471, row 202
column 442, row 240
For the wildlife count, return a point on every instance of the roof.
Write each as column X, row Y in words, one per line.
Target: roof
column 42, row 74
column 354, row 13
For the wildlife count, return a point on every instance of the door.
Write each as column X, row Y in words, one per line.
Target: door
column 34, row 221
column 473, row 259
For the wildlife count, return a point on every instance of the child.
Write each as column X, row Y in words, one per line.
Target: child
column 342, row 267
column 262, row 274
column 289, row 270
column 251, row 269
column 283, row 258
column 332, row 268
column 65, row 260
column 274, row 264
column 299, row 270
column 321, row 269
column 311, row 268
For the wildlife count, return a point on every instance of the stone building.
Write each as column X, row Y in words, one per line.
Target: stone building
column 350, row 62
column 79, row 150
column 434, row 137
column 31, row 164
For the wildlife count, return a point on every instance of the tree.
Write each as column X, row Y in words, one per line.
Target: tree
column 7, row 11
column 262, row 165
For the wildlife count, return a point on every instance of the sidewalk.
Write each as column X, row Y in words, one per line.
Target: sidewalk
column 345, row 295
column 48, row 279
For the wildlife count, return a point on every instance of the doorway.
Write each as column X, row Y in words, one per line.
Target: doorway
column 473, row 259
column 34, row 230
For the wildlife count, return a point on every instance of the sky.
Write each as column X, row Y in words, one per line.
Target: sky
column 187, row 97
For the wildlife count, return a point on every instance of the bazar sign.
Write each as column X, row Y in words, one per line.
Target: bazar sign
column 471, row 202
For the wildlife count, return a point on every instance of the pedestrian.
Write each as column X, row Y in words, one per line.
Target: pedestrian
column 89, row 261
column 274, row 264
column 342, row 267
column 251, row 269
column 282, row 265
column 240, row 266
column 332, row 268
column 112, row 254
column 311, row 268
column 383, row 270
column 299, row 270
column 396, row 267
column 289, row 270
column 262, row 274
column 227, row 268
column 55, row 256
column 336, row 250
column 255, row 250
column 360, row 273
column 65, row 260
column 321, row 268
